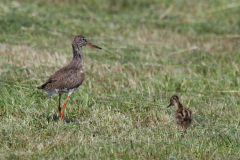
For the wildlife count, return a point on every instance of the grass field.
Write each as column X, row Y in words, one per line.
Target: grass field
column 151, row 50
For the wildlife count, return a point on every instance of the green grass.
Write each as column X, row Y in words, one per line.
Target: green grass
column 151, row 50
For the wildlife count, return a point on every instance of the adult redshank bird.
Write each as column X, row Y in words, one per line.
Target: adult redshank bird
column 69, row 78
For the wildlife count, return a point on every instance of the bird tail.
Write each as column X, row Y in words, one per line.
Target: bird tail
column 44, row 85
column 40, row 87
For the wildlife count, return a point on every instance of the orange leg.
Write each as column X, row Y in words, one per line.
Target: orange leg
column 64, row 108
column 59, row 108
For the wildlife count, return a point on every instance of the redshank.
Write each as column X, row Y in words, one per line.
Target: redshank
column 69, row 78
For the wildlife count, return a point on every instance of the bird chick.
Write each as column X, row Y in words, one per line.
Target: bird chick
column 183, row 116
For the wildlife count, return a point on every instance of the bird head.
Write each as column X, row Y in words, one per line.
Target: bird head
column 173, row 100
column 82, row 41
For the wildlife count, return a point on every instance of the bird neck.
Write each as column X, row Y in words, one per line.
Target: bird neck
column 77, row 61
column 178, row 105
column 77, row 51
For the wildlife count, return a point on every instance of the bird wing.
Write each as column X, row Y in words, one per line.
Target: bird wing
column 64, row 78
column 184, row 115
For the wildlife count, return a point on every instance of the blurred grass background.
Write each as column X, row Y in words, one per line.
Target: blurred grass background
column 151, row 50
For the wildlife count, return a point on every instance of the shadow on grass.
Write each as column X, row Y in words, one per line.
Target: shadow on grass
column 56, row 118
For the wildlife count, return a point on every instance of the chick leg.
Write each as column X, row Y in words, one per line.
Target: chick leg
column 184, row 131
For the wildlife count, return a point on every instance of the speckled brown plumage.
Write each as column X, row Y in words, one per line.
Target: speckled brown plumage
column 69, row 78
column 183, row 116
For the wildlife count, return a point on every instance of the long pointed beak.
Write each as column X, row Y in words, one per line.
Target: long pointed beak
column 92, row 45
column 169, row 105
